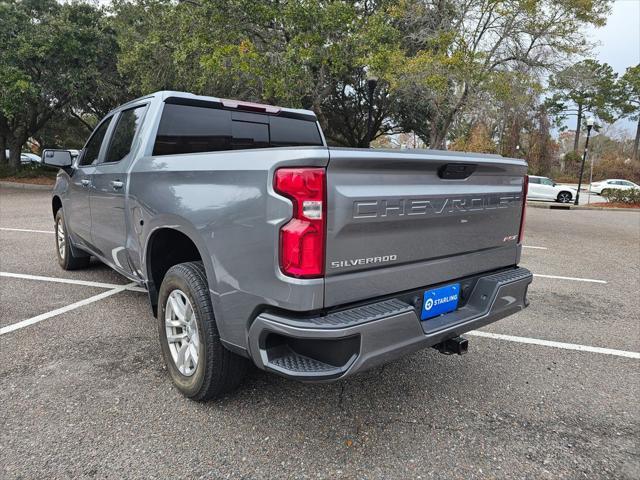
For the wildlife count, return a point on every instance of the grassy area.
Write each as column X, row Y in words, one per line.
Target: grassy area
column 29, row 173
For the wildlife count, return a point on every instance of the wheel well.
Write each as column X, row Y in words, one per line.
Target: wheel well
column 566, row 191
column 56, row 205
column 167, row 247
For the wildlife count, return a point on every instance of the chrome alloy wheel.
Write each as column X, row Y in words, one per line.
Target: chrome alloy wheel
column 60, row 239
column 564, row 197
column 182, row 332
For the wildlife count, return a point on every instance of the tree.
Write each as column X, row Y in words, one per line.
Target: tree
column 479, row 140
column 451, row 50
column 53, row 57
column 297, row 53
column 587, row 86
column 541, row 147
column 630, row 100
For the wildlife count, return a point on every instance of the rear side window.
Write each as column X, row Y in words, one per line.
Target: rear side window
column 192, row 129
column 92, row 148
column 122, row 137
column 291, row 132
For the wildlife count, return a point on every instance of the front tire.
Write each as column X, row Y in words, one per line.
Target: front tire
column 68, row 257
column 199, row 365
column 565, row 197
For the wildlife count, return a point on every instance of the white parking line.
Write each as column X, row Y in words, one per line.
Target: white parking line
column 535, row 248
column 575, row 279
column 73, row 306
column 70, row 281
column 548, row 343
column 26, row 230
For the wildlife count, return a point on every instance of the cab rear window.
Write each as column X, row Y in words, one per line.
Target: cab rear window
column 201, row 128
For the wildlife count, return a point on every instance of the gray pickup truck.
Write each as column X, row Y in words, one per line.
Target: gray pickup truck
column 258, row 242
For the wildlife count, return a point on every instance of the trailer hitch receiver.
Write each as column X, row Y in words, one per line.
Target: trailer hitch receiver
column 457, row 345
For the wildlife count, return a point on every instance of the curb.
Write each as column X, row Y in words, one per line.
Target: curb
column 25, row 186
column 564, row 206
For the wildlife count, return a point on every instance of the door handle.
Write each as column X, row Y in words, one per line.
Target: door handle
column 85, row 183
column 116, row 184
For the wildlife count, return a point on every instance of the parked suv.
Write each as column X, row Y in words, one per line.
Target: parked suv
column 543, row 188
column 259, row 243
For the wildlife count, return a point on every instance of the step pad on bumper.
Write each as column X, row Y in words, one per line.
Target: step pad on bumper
column 508, row 276
column 366, row 313
column 294, row 362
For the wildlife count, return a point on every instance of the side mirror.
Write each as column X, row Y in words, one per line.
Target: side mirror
column 57, row 158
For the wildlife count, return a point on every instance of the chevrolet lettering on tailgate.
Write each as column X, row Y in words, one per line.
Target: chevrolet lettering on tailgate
column 431, row 206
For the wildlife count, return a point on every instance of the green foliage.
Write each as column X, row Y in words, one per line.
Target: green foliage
column 54, row 57
column 630, row 101
column 572, row 158
column 443, row 67
column 628, row 197
column 630, row 92
column 586, row 86
column 297, row 53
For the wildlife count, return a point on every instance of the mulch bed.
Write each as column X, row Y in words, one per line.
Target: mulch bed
column 614, row 205
column 31, row 181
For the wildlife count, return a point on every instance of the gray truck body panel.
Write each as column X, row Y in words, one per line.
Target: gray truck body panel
column 393, row 225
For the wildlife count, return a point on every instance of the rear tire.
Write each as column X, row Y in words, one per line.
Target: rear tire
column 199, row 365
column 68, row 257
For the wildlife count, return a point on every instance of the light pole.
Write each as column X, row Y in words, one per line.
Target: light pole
column 590, row 180
column 590, row 122
column 372, row 82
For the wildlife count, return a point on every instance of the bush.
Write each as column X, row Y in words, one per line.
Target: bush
column 628, row 197
column 28, row 170
column 616, row 168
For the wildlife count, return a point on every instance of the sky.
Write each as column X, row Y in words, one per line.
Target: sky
column 618, row 44
column 619, row 40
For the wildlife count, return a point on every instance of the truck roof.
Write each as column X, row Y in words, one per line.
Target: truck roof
column 227, row 103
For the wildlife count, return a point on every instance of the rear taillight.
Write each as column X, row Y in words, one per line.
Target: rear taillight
column 302, row 238
column 525, row 191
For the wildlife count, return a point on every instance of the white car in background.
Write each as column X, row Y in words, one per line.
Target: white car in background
column 543, row 188
column 29, row 158
column 612, row 184
column 24, row 157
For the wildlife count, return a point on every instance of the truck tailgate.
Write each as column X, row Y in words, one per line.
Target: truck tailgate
column 399, row 220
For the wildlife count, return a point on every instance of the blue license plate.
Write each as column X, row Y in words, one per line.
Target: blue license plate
column 440, row 300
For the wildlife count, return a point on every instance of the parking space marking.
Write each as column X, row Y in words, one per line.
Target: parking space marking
column 25, row 230
column 575, row 279
column 549, row 343
column 58, row 311
column 535, row 248
column 69, row 281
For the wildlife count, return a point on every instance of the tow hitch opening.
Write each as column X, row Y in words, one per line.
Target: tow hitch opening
column 456, row 345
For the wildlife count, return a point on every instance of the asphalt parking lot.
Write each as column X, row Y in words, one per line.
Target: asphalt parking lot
column 549, row 393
